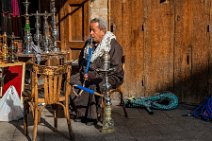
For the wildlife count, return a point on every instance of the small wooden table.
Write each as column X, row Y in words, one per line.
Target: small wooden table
column 46, row 58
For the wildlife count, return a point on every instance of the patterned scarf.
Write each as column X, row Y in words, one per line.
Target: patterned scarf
column 103, row 46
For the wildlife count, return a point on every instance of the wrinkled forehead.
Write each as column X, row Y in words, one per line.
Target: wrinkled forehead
column 94, row 26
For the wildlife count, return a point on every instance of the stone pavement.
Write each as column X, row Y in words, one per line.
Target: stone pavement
column 140, row 126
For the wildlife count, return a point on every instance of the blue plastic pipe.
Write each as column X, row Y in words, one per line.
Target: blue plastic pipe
column 85, row 89
column 88, row 60
column 88, row 90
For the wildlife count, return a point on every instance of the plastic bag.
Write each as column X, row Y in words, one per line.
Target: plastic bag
column 11, row 107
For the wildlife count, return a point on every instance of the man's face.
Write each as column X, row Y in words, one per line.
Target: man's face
column 96, row 33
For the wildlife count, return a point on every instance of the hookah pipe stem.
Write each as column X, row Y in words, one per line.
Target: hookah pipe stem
column 106, row 67
column 27, row 34
column 53, row 24
column 46, row 32
column 37, row 26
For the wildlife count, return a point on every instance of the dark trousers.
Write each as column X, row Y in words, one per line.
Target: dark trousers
column 86, row 105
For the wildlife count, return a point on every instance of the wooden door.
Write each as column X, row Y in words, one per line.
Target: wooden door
column 73, row 23
column 166, row 45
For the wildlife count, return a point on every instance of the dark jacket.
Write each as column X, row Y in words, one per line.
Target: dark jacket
column 116, row 75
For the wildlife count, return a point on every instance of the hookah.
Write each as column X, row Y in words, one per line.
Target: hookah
column 5, row 55
column 46, row 40
column 27, row 36
column 1, row 43
column 37, row 36
column 53, row 25
column 13, row 49
column 108, row 123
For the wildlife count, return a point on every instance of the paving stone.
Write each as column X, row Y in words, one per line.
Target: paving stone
column 170, row 125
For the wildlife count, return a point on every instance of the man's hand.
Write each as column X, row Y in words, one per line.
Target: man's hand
column 85, row 76
column 92, row 77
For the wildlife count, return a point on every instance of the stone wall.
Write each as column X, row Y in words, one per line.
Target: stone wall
column 99, row 8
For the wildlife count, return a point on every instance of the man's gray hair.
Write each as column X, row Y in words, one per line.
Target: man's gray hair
column 102, row 24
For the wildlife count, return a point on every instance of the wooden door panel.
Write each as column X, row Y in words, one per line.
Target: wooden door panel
column 126, row 21
column 191, row 50
column 158, row 50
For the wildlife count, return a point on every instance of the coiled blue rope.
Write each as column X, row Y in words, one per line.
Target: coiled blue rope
column 161, row 101
column 204, row 110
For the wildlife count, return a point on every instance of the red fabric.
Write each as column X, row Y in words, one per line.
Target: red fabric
column 13, row 77
column 15, row 8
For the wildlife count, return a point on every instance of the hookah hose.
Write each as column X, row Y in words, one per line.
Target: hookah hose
column 88, row 90
column 88, row 63
column 89, row 59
